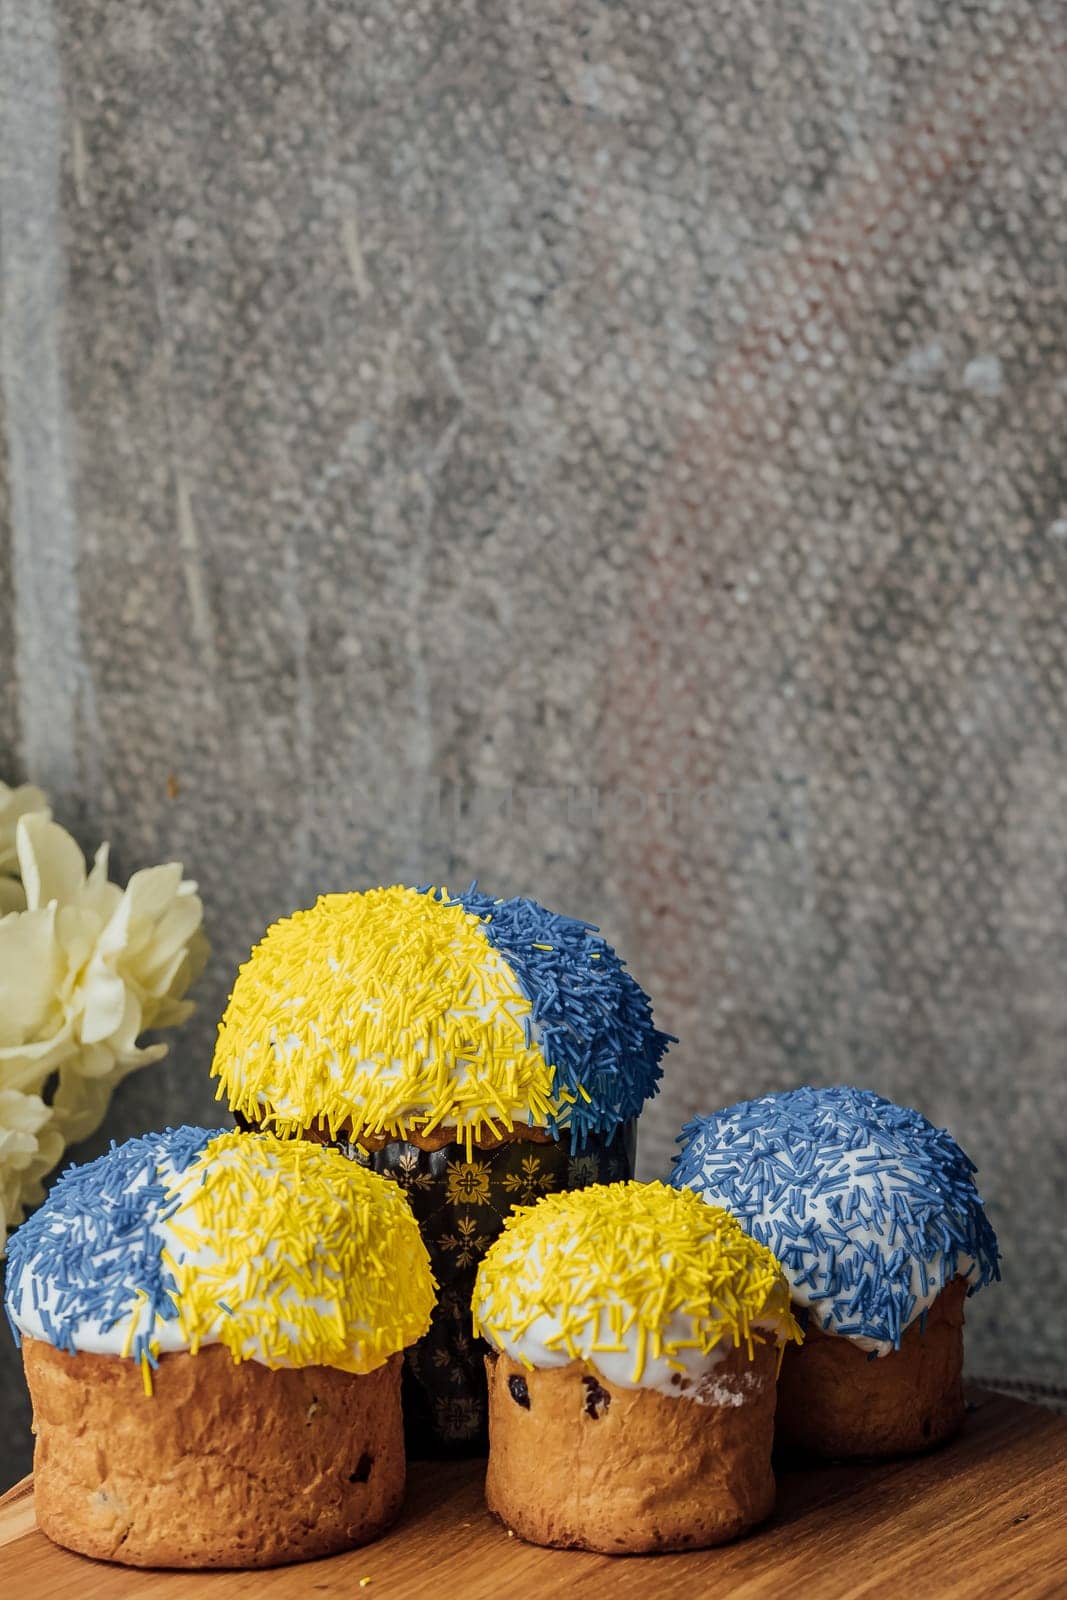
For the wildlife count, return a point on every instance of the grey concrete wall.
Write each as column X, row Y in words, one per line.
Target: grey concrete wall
column 417, row 418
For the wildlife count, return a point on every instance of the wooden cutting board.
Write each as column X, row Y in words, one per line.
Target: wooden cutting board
column 982, row 1519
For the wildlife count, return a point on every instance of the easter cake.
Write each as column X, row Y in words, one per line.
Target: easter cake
column 211, row 1327
column 875, row 1217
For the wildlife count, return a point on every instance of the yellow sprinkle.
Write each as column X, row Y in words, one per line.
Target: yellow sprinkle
column 398, row 990
column 622, row 1258
column 313, row 1260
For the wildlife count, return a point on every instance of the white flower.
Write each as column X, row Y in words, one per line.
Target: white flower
column 85, row 969
column 14, row 803
column 28, row 1149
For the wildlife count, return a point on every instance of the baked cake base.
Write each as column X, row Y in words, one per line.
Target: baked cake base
column 834, row 1401
column 577, row 1462
column 225, row 1465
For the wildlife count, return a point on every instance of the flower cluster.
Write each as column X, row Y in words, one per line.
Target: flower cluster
column 15, row 803
column 85, row 968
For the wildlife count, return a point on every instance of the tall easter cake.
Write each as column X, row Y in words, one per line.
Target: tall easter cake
column 481, row 1052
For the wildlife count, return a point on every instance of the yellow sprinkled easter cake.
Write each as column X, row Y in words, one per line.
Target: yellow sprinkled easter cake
column 636, row 1336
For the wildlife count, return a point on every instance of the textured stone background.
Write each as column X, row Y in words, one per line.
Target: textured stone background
column 613, row 450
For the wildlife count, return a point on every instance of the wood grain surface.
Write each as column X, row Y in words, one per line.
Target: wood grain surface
column 984, row 1517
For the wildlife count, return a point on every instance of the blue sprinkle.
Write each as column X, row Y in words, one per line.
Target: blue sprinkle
column 875, row 1169
column 592, row 1020
column 96, row 1244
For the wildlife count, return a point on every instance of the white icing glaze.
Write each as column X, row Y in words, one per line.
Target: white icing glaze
column 818, row 1208
column 680, row 1369
column 372, row 1072
column 37, row 1295
column 967, row 1269
column 364, row 1076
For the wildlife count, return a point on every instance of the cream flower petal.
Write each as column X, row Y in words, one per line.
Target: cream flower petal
column 99, row 896
column 148, row 895
column 169, row 939
column 95, row 1061
column 50, row 862
column 27, row 1067
column 105, row 1004
column 195, row 961
column 85, row 968
column 124, row 1037
column 199, row 950
column 31, row 967
column 77, row 930
column 98, row 870
column 16, row 803
column 50, row 1147
column 159, row 984
column 166, row 1013
column 21, row 1118
column 28, row 1148
column 79, row 1105
column 12, row 896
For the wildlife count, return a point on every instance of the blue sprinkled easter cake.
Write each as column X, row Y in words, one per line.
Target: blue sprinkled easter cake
column 211, row 1326
column 875, row 1217
column 480, row 1051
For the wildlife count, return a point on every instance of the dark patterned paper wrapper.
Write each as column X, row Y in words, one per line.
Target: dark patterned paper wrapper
column 461, row 1205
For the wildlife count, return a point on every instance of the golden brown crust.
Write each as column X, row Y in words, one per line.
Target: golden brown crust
column 437, row 1140
column 225, row 1465
column 834, row 1401
column 588, row 1465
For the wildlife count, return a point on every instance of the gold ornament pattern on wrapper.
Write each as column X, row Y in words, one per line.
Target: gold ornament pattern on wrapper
column 461, row 1205
column 468, row 1183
